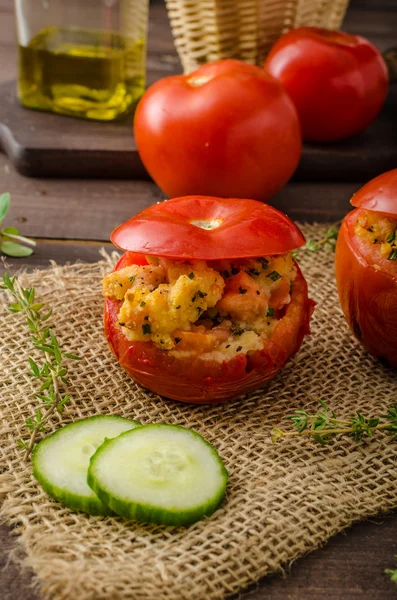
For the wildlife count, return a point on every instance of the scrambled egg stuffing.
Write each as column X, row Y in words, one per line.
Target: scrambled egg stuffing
column 215, row 308
column 380, row 230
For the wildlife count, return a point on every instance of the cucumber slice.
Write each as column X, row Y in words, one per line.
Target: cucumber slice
column 163, row 474
column 61, row 460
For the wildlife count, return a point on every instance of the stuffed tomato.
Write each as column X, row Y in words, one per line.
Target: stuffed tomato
column 207, row 303
column 366, row 267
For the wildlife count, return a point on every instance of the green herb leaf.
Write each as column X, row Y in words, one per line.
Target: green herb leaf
column 392, row 573
column 4, row 205
column 15, row 250
column 12, row 230
column 274, row 276
column 270, row 312
column 393, row 254
column 146, row 328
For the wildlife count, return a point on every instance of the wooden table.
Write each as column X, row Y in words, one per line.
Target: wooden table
column 72, row 219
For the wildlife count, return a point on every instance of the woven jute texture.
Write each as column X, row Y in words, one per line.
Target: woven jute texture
column 246, row 29
column 283, row 499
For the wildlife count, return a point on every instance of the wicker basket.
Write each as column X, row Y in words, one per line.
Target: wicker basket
column 207, row 30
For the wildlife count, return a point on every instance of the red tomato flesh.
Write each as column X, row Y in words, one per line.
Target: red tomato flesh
column 338, row 82
column 228, row 129
column 200, row 227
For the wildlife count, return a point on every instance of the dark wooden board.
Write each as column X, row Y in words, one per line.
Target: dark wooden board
column 48, row 145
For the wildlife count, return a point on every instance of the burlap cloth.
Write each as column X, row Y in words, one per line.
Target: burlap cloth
column 282, row 500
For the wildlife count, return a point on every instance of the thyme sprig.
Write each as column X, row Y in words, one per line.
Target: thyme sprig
column 324, row 424
column 11, row 242
column 392, row 573
column 51, row 372
column 328, row 240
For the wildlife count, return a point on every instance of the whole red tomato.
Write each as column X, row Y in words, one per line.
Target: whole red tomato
column 366, row 267
column 227, row 129
column 337, row 81
column 205, row 228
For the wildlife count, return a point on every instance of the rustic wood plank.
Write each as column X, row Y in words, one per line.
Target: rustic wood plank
column 60, row 251
column 89, row 210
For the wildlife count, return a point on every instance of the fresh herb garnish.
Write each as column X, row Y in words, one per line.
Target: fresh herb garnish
column 142, row 304
column 391, row 237
column 235, row 270
column 242, row 290
column 393, row 254
column 329, row 239
column 11, row 243
column 264, row 262
column 132, row 278
column 239, row 348
column 191, row 275
column 146, row 328
column 324, row 424
column 51, row 372
column 270, row 312
column 121, row 324
column 177, row 340
column 274, row 276
column 392, row 573
column 226, row 274
column 254, row 272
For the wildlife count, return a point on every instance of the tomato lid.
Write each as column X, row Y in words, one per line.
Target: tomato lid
column 206, row 228
column 379, row 194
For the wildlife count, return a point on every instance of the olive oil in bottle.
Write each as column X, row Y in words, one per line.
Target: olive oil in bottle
column 83, row 73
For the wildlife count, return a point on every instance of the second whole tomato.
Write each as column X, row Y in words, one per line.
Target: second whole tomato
column 337, row 81
column 228, row 129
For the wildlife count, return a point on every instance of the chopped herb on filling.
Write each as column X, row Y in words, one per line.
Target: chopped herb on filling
column 146, row 329
column 242, row 290
column 393, row 254
column 270, row 312
column 274, row 276
column 191, row 275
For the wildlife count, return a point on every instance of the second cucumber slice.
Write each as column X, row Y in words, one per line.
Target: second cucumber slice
column 163, row 474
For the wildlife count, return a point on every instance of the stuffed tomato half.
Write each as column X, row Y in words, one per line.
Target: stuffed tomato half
column 207, row 303
column 366, row 267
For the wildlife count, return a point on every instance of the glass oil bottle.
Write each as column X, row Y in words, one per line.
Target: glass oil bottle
column 82, row 58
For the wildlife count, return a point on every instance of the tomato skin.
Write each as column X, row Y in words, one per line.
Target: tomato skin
column 337, row 81
column 228, row 129
column 244, row 228
column 379, row 194
column 367, row 293
column 204, row 382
